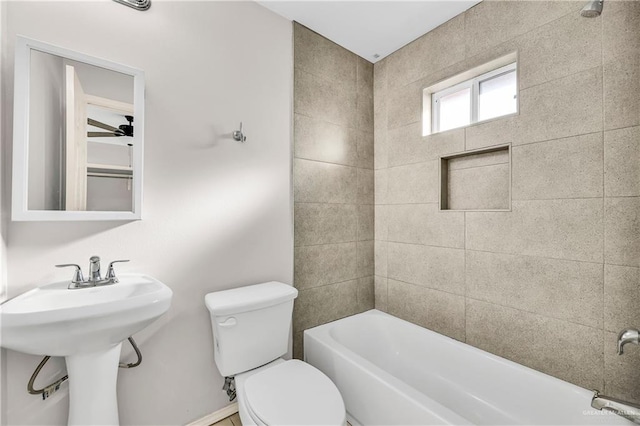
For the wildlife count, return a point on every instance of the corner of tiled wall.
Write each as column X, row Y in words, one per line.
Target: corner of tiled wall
column 333, row 183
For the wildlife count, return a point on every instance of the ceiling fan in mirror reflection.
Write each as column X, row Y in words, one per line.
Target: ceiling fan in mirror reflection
column 111, row 131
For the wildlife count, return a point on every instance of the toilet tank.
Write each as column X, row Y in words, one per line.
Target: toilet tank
column 250, row 325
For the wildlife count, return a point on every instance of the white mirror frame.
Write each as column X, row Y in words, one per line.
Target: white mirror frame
column 19, row 208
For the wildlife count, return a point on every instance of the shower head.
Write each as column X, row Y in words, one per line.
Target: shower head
column 136, row 4
column 593, row 9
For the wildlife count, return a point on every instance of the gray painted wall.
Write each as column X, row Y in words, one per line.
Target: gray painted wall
column 217, row 213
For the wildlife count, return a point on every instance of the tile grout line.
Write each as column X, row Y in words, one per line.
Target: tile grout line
column 604, row 195
column 467, row 298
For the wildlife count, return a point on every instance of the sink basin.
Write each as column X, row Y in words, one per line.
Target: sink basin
column 53, row 320
column 87, row 327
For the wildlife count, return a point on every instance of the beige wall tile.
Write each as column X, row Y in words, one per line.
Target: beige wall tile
column 622, row 162
column 364, row 75
column 365, row 258
column 621, row 295
column 620, row 30
column 560, row 289
column 414, row 183
column 433, row 267
column 493, row 22
column 436, row 310
column 298, row 345
column 317, row 182
column 622, row 231
column 320, row 305
column 380, row 293
column 564, row 168
column 404, row 105
column 365, row 294
column 443, row 143
column 560, row 48
column 621, row 88
column 381, row 186
column 479, row 188
column 425, row 224
column 365, row 181
column 319, row 56
column 364, row 119
column 324, row 264
column 621, row 373
column 560, row 229
column 381, row 256
column 437, row 49
column 380, row 74
column 324, row 223
column 495, row 132
column 381, row 222
column 364, row 142
column 380, row 100
column 566, row 350
column 406, row 145
column 480, row 159
column 324, row 99
column 366, row 222
column 322, row 141
column 381, row 150
column 565, row 107
column 407, row 222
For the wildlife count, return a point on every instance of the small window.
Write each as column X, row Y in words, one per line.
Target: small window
column 490, row 95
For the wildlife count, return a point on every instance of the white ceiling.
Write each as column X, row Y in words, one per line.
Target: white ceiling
column 369, row 28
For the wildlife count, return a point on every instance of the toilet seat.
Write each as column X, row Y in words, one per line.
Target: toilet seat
column 293, row 393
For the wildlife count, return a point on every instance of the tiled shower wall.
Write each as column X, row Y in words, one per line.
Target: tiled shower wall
column 333, row 182
column 550, row 283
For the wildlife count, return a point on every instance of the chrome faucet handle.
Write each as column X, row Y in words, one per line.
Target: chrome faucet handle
column 78, row 278
column 111, row 273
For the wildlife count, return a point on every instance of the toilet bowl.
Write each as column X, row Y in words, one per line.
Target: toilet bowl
column 288, row 393
column 251, row 328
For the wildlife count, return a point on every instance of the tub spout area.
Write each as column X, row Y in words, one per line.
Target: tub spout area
column 627, row 336
column 622, row 408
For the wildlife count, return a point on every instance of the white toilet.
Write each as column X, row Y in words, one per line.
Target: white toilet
column 250, row 333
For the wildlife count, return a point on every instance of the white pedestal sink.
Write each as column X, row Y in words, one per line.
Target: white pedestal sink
column 87, row 327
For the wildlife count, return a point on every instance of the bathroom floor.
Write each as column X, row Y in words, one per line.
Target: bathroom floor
column 233, row 420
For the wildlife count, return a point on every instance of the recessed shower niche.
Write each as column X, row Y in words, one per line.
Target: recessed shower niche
column 478, row 180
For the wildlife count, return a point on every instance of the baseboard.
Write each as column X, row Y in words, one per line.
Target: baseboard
column 216, row 416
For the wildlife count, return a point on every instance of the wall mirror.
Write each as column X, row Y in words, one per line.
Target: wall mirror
column 78, row 136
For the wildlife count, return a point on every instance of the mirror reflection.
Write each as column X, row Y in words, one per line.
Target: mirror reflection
column 81, row 127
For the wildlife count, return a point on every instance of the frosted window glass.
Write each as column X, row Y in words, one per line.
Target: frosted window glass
column 497, row 96
column 455, row 110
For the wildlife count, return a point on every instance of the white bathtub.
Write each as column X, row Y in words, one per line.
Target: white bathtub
column 392, row 372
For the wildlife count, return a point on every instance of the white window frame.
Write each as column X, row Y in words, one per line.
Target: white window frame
column 474, row 85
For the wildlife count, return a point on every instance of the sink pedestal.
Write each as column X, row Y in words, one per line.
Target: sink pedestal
column 92, row 387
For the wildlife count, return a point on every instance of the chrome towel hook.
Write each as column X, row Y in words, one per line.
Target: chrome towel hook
column 238, row 135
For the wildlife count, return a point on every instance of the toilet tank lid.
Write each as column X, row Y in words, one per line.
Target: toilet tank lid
column 249, row 298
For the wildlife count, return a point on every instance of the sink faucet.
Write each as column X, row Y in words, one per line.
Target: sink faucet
column 95, row 277
column 629, row 335
column 94, row 269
